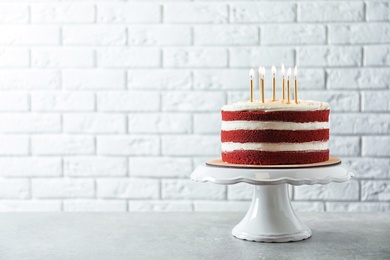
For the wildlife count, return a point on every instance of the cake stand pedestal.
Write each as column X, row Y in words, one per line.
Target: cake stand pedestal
column 270, row 217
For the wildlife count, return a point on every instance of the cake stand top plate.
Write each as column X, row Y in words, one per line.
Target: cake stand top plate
column 274, row 176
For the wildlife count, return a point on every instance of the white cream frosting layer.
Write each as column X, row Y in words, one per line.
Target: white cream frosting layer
column 269, row 105
column 272, row 125
column 275, row 147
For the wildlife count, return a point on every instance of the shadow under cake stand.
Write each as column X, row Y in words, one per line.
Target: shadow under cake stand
column 270, row 217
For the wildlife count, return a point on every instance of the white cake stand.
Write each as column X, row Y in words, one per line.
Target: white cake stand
column 270, row 217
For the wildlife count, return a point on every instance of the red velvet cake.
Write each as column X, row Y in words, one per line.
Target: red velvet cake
column 275, row 133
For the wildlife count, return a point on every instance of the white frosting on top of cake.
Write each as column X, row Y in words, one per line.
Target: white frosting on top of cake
column 269, row 105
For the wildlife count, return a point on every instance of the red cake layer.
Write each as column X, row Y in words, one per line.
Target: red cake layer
column 284, row 116
column 274, row 136
column 274, row 158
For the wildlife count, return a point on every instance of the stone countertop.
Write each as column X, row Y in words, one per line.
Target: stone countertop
column 185, row 236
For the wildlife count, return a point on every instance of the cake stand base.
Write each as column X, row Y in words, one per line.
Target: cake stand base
column 271, row 218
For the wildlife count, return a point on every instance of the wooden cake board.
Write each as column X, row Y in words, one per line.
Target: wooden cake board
column 220, row 163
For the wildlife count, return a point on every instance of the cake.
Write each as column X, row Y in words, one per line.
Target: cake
column 275, row 133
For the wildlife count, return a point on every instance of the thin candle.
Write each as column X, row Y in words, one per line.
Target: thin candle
column 262, row 84
column 283, row 89
column 251, row 73
column 288, row 85
column 295, row 86
column 273, row 83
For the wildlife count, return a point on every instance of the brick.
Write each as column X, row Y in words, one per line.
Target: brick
column 377, row 55
column 207, row 79
column 201, row 160
column 240, row 191
column 237, row 96
column 30, row 206
column 336, row 11
column 293, row 34
column 30, row 79
column 160, row 206
column 14, row 145
column 358, row 206
column 221, row 206
column 321, row 56
column 359, row 33
column 376, row 101
column 94, row 166
column 333, row 191
column 372, row 168
column 94, row 206
column 14, row 102
column 160, row 167
column 122, row 188
column 161, row 123
column 30, row 167
column 360, row 123
column 303, row 206
column 207, row 123
column 58, row 188
column 187, row 189
column 62, row 145
column 344, row 145
column 93, row 79
column 62, row 13
column 191, row 145
column 192, row 101
column 196, row 13
column 338, row 100
column 264, row 56
column 378, row 11
column 133, row 101
column 358, row 78
column 94, row 123
column 94, row 35
column 195, row 57
column 376, row 190
column 62, row 57
column 159, row 35
column 129, row 13
column 14, row 57
column 32, row 123
column 226, row 35
column 163, row 79
column 27, row 35
column 62, row 101
column 376, row 146
column 14, row 188
column 129, row 57
column 14, row 13
column 262, row 12
column 309, row 79
column 128, row 145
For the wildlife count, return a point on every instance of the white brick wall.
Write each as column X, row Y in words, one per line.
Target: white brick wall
column 110, row 105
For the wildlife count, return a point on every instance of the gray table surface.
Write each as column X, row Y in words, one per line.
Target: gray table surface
column 185, row 236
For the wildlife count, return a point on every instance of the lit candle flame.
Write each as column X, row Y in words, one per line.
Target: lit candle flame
column 260, row 70
column 273, row 71
column 295, row 71
column 283, row 70
column 251, row 73
column 289, row 72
